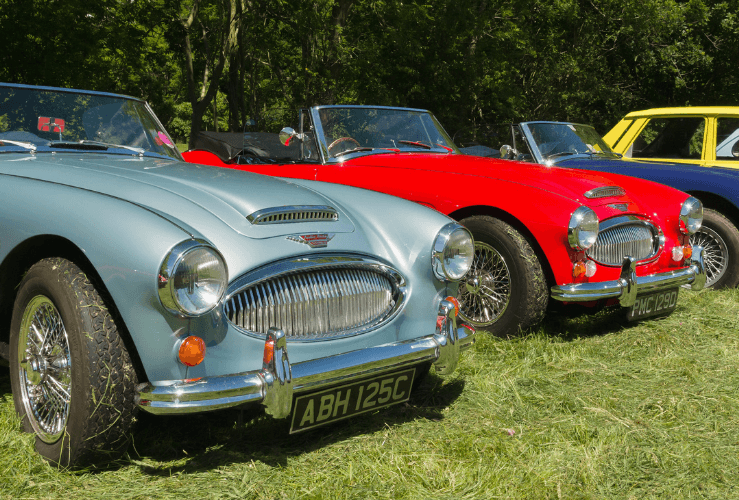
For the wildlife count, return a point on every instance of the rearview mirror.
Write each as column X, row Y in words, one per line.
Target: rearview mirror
column 286, row 135
column 508, row 152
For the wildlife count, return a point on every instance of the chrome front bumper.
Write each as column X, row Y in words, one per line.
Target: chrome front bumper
column 628, row 286
column 275, row 384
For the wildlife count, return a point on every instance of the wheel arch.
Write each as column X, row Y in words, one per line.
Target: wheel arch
column 513, row 222
column 15, row 266
column 719, row 204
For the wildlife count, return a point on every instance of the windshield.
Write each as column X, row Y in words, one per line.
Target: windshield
column 43, row 120
column 560, row 139
column 342, row 130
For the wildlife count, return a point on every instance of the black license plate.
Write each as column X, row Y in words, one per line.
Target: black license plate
column 653, row 304
column 342, row 402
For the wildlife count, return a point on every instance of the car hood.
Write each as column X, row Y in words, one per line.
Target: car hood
column 569, row 183
column 178, row 190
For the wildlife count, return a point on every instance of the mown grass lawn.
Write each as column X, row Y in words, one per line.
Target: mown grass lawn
column 581, row 408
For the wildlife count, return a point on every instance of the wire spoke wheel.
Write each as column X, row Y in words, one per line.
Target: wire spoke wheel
column 715, row 253
column 485, row 292
column 45, row 369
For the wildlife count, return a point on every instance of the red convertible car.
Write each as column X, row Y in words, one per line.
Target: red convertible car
column 540, row 233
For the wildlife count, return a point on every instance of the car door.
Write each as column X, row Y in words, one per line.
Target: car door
column 676, row 139
column 726, row 143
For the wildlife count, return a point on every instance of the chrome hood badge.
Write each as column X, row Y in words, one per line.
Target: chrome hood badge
column 619, row 206
column 319, row 240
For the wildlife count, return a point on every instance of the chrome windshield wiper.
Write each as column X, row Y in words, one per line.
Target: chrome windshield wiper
column 561, row 153
column 606, row 153
column 95, row 144
column 27, row 145
column 415, row 143
column 355, row 150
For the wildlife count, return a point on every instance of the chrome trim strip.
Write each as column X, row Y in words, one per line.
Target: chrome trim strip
column 294, row 213
column 628, row 286
column 213, row 393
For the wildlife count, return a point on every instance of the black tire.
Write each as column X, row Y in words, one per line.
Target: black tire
column 505, row 292
column 720, row 241
column 82, row 368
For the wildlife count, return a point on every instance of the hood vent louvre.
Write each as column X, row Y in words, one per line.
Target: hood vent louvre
column 604, row 192
column 294, row 214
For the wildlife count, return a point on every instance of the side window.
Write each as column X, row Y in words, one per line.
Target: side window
column 727, row 137
column 522, row 147
column 679, row 138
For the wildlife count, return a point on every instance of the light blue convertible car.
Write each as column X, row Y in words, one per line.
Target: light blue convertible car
column 130, row 280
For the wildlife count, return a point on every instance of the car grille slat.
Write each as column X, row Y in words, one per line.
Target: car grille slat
column 315, row 304
column 635, row 239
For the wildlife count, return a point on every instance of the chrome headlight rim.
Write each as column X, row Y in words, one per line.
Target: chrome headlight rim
column 583, row 228
column 166, row 284
column 443, row 270
column 691, row 215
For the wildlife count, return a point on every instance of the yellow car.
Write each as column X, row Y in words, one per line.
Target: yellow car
column 703, row 135
column 674, row 146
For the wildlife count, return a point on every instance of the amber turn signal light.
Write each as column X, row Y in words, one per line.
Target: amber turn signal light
column 578, row 269
column 454, row 301
column 192, row 351
column 269, row 351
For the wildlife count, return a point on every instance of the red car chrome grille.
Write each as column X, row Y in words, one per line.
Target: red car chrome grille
column 636, row 239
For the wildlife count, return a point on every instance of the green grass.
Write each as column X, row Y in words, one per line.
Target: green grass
column 590, row 407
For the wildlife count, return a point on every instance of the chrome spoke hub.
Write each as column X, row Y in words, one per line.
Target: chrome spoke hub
column 715, row 253
column 45, row 369
column 484, row 294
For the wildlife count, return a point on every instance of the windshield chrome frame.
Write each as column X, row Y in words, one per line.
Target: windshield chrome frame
column 42, row 88
column 316, row 126
column 534, row 146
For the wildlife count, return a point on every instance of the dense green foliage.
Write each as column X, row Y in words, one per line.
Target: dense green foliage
column 216, row 63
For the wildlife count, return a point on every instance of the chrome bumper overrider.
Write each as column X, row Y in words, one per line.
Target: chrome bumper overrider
column 274, row 385
column 628, row 286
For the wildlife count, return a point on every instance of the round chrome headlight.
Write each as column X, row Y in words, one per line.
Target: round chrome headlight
column 691, row 215
column 453, row 252
column 582, row 231
column 192, row 278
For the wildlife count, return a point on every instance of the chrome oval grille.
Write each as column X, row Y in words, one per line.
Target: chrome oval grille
column 319, row 304
column 637, row 239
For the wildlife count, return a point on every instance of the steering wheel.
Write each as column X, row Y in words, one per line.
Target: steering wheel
column 343, row 139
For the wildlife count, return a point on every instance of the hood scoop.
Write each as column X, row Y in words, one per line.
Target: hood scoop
column 293, row 214
column 604, row 192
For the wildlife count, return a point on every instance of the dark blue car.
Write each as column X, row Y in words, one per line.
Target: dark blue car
column 574, row 145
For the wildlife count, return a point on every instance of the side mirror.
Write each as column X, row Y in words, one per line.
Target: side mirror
column 735, row 150
column 286, row 135
column 508, row 152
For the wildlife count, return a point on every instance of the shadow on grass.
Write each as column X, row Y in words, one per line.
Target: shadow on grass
column 164, row 445
column 4, row 380
column 573, row 321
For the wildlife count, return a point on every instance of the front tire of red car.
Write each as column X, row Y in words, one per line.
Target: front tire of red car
column 72, row 378
column 720, row 241
column 505, row 292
